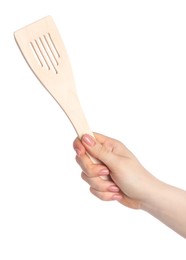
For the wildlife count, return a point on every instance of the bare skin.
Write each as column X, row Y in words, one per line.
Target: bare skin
column 129, row 182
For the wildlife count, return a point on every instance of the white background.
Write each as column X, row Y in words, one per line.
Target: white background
column 129, row 64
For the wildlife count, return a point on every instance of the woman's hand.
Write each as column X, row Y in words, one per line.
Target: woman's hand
column 128, row 178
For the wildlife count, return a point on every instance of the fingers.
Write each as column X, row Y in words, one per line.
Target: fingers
column 91, row 169
column 78, row 147
column 106, row 196
column 99, row 184
column 104, row 190
column 85, row 162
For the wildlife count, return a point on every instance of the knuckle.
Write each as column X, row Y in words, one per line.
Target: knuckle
column 104, row 196
column 101, row 149
column 102, row 152
column 83, row 176
column 90, row 170
column 75, row 142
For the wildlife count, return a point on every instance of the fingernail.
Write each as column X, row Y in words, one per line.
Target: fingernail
column 114, row 188
column 117, row 197
column 89, row 140
column 104, row 172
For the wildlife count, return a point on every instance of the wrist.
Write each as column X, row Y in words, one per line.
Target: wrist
column 152, row 194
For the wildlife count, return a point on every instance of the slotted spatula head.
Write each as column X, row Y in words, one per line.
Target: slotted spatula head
column 44, row 51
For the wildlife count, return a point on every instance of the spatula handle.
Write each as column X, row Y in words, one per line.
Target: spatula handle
column 79, row 122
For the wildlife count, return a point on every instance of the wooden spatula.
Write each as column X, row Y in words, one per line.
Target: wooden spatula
column 44, row 51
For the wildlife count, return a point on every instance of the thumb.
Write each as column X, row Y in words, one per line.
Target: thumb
column 97, row 150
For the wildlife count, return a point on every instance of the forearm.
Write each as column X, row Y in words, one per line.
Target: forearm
column 168, row 204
